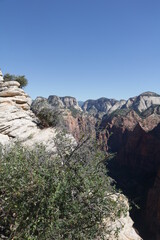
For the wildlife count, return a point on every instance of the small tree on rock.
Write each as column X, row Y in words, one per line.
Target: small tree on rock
column 21, row 79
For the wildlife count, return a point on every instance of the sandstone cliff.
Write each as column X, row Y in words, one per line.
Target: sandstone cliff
column 65, row 113
column 17, row 121
column 102, row 106
column 135, row 139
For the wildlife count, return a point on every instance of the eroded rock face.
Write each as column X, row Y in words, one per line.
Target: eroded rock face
column 136, row 140
column 17, row 121
column 70, row 102
column 139, row 142
column 79, row 125
column 107, row 106
column 143, row 101
column 69, row 116
column 100, row 106
column 11, row 93
column 63, row 102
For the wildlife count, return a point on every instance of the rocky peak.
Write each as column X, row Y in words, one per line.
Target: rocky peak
column 107, row 106
column 142, row 102
column 70, row 102
column 150, row 94
column 17, row 121
column 63, row 102
column 101, row 105
column 55, row 101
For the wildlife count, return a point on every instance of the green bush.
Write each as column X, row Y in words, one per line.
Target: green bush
column 21, row 79
column 62, row 197
column 49, row 117
column 74, row 111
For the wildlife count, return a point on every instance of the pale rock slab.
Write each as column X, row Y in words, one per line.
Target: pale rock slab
column 125, row 226
column 9, row 84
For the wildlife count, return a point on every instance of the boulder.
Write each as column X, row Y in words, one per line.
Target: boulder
column 10, row 93
column 9, row 84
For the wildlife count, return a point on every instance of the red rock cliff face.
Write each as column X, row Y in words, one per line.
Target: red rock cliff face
column 137, row 144
column 137, row 149
column 80, row 125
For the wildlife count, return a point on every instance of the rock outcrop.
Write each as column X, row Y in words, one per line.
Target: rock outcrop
column 10, row 93
column 143, row 101
column 17, row 121
column 63, row 102
column 125, row 226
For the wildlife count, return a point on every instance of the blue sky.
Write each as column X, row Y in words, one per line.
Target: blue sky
column 83, row 48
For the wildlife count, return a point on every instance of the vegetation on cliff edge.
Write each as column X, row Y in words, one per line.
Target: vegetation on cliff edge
column 21, row 79
column 48, row 197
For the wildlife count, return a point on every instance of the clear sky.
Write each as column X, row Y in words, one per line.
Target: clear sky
column 83, row 48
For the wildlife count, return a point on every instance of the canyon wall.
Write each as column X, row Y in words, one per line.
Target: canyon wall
column 136, row 142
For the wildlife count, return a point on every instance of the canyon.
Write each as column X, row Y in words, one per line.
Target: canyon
column 38, row 122
column 130, row 129
column 135, row 168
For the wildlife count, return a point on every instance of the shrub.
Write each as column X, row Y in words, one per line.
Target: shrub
column 21, row 79
column 49, row 117
column 62, row 197
column 74, row 111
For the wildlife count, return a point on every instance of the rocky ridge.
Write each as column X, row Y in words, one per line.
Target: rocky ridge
column 107, row 106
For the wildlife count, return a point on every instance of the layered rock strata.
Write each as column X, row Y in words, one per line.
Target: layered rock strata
column 11, row 93
column 17, row 121
column 108, row 106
